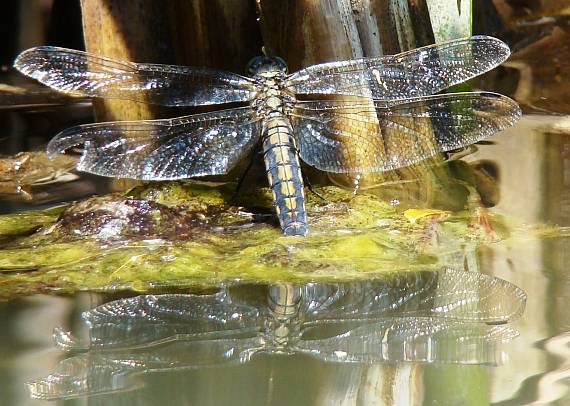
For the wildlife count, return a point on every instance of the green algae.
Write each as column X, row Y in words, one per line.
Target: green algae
column 23, row 223
column 188, row 234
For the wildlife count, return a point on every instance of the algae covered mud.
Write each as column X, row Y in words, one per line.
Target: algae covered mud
column 191, row 234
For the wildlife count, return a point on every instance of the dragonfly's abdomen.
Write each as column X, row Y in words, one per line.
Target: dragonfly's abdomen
column 284, row 175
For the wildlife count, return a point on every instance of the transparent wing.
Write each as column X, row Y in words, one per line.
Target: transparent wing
column 419, row 72
column 83, row 74
column 368, row 136
column 150, row 320
column 107, row 372
column 183, row 147
column 421, row 339
column 445, row 294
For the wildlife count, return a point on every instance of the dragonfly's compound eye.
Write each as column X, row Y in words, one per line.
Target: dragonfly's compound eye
column 280, row 63
column 262, row 64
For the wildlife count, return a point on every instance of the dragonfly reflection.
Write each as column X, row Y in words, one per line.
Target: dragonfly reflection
column 385, row 118
column 430, row 316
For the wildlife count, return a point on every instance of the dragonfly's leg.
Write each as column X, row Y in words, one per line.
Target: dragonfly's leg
column 247, row 169
column 311, row 189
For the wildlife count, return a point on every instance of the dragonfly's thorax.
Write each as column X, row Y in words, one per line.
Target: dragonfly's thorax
column 272, row 98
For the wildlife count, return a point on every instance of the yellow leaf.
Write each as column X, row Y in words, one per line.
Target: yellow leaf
column 414, row 215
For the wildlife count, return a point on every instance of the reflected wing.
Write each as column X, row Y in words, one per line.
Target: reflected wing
column 116, row 371
column 151, row 320
column 419, row 72
column 445, row 294
column 343, row 137
column 82, row 74
column 183, row 147
column 409, row 339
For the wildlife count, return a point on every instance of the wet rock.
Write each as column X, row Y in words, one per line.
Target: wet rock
column 118, row 217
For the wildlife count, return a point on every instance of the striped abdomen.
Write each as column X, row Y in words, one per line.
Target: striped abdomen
column 284, row 175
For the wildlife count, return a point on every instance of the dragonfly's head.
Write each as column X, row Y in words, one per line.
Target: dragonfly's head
column 263, row 64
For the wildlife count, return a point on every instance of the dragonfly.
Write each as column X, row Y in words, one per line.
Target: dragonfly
column 353, row 117
column 433, row 316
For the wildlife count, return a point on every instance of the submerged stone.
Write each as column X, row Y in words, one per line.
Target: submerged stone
column 115, row 217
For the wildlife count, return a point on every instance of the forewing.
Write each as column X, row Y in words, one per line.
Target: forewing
column 183, row 147
column 83, row 74
column 419, row 72
column 342, row 137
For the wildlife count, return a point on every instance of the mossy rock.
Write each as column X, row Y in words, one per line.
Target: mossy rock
column 185, row 234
